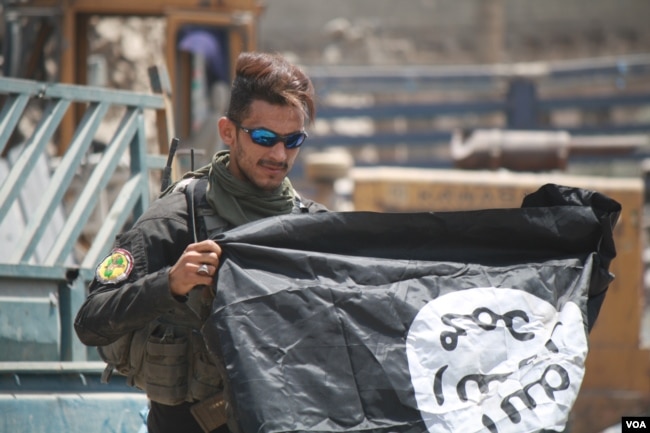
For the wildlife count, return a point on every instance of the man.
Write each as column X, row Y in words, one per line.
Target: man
column 151, row 295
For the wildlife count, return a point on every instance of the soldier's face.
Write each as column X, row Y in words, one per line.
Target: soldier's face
column 264, row 167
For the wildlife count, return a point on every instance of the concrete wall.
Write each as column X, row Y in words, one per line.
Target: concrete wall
column 452, row 31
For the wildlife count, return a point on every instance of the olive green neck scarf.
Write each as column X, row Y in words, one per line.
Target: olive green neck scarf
column 239, row 202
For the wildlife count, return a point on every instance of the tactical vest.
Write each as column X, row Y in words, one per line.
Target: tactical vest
column 168, row 358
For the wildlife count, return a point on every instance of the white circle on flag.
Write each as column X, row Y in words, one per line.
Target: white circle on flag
column 496, row 360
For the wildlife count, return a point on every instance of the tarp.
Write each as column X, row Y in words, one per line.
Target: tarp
column 411, row 322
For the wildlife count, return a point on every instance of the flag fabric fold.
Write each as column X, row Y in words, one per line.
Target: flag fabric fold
column 473, row 321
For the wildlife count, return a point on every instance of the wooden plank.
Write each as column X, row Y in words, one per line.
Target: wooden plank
column 146, row 7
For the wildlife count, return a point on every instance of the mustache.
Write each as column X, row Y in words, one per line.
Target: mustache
column 274, row 164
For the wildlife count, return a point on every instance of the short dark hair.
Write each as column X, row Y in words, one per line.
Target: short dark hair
column 271, row 78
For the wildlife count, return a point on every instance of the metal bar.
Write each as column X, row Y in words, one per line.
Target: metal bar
column 97, row 182
column 10, row 189
column 609, row 66
column 33, row 272
column 155, row 162
column 593, row 102
column 71, row 296
column 86, row 275
column 10, row 116
column 111, row 96
column 385, row 139
column 78, row 376
column 12, row 44
column 16, row 12
column 412, row 110
column 138, row 160
column 606, row 129
column 612, row 66
column 49, row 367
column 80, row 93
column 59, row 182
column 391, row 79
column 380, row 139
column 19, row 85
column 114, row 221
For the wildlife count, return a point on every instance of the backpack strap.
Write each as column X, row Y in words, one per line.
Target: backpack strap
column 204, row 221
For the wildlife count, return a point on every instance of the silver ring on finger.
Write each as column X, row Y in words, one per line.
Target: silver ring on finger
column 203, row 270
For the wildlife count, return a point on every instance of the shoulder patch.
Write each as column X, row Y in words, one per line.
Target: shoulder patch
column 115, row 268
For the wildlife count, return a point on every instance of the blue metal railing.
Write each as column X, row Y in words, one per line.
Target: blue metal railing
column 506, row 92
column 129, row 136
column 37, row 275
column 412, row 78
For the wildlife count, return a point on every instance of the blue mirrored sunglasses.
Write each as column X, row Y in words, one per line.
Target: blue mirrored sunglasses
column 267, row 138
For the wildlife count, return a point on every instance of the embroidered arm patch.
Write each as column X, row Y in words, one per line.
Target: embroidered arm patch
column 116, row 267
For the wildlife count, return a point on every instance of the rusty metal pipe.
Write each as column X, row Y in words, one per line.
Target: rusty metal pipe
column 533, row 150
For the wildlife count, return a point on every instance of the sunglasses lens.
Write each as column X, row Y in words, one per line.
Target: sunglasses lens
column 267, row 138
column 295, row 140
column 264, row 137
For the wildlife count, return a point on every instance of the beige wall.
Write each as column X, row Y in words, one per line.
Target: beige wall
column 448, row 31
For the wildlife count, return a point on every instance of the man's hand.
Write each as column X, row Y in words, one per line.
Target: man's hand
column 185, row 274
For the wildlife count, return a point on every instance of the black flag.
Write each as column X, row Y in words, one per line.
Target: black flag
column 473, row 321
